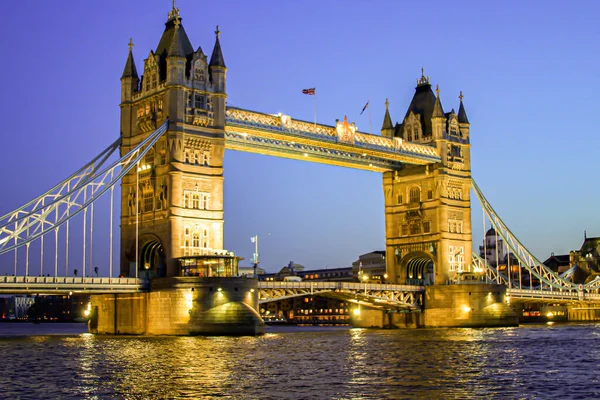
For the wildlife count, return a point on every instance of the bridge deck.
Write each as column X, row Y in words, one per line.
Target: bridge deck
column 281, row 136
column 64, row 285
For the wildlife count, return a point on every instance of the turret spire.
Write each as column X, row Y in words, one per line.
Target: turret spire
column 438, row 111
column 130, row 70
column 423, row 80
column 216, row 59
column 462, row 114
column 387, row 120
column 174, row 13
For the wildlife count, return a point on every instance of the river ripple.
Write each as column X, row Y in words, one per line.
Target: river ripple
column 539, row 361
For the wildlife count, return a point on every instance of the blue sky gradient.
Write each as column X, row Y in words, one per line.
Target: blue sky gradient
column 528, row 71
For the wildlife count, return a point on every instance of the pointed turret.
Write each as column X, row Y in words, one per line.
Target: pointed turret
column 174, row 41
column 130, row 71
column 216, row 59
column 387, row 129
column 438, row 111
column 462, row 114
column 463, row 121
column 129, row 79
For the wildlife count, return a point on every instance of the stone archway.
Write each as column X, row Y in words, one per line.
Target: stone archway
column 152, row 257
column 417, row 268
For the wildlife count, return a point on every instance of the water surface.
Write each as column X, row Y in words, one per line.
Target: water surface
column 536, row 361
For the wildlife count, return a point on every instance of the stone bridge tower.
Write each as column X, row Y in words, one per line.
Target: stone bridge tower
column 173, row 203
column 428, row 208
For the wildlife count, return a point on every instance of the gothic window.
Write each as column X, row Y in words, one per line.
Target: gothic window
column 205, row 158
column 153, row 81
column 399, row 199
column 205, row 238
column 429, row 194
column 186, row 199
column 409, row 136
column 426, row 226
column 148, row 201
column 415, row 194
column 415, row 228
column 189, row 100
column 199, row 101
column 196, row 239
column 196, row 158
column 205, row 201
column 404, row 230
column 147, row 84
column 149, row 159
column 186, row 241
column 416, row 131
column 196, row 200
column 186, row 156
column 455, row 152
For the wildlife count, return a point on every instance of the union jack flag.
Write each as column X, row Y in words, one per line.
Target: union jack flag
column 310, row 91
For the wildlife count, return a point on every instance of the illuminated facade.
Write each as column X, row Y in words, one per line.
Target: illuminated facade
column 174, row 201
column 428, row 207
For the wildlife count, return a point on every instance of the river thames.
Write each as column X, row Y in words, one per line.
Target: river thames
column 58, row 361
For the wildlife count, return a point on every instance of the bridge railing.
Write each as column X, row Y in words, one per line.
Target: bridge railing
column 58, row 280
column 338, row 285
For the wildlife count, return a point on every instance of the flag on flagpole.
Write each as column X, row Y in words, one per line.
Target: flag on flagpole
column 253, row 239
column 310, row 91
column 365, row 107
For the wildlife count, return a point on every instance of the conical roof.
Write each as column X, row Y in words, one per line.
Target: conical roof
column 422, row 103
column 165, row 46
column 438, row 111
column 130, row 71
column 462, row 114
column 387, row 120
column 216, row 59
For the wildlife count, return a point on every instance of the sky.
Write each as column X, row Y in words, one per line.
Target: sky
column 528, row 72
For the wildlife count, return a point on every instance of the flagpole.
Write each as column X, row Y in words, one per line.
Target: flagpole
column 370, row 122
column 315, row 107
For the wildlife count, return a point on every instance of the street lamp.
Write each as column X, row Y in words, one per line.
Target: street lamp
column 365, row 278
column 254, row 239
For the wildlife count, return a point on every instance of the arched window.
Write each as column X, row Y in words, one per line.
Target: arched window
column 415, row 194
column 196, row 239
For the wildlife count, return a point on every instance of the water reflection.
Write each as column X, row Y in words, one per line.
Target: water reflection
column 526, row 362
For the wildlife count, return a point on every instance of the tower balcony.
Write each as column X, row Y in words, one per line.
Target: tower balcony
column 199, row 116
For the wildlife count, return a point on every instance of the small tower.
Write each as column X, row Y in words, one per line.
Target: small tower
column 387, row 129
column 218, row 75
column 438, row 119
column 463, row 121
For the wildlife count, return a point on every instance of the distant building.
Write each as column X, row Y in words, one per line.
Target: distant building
column 587, row 259
column 370, row 267
column 292, row 269
column 249, row 271
column 493, row 248
column 558, row 263
column 343, row 274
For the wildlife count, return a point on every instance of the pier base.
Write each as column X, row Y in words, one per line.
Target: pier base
column 181, row 306
column 469, row 305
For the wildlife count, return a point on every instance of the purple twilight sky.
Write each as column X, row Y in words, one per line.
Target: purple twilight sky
column 528, row 71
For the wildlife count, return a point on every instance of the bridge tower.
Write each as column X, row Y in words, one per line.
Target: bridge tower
column 428, row 208
column 172, row 205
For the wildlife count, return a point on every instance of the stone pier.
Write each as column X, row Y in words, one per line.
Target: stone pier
column 181, row 306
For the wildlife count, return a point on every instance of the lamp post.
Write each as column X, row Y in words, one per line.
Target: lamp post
column 254, row 239
column 365, row 278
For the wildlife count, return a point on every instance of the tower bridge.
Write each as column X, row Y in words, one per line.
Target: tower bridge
column 175, row 127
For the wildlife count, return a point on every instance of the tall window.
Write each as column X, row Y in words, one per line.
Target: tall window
column 205, row 238
column 187, row 199
column 186, row 241
column 409, row 135
column 205, row 201
column 426, row 226
column 205, row 158
column 186, row 156
column 196, row 239
column 415, row 194
column 148, row 201
column 196, row 200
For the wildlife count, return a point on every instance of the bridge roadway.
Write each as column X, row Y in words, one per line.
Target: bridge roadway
column 342, row 145
column 380, row 296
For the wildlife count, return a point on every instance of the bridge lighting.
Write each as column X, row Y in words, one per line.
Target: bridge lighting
column 466, row 308
column 219, row 289
column 356, row 311
column 88, row 310
column 550, row 314
column 365, row 277
column 251, row 290
column 305, row 155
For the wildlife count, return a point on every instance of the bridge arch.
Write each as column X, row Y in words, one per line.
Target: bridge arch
column 152, row 256
column 417, row 268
